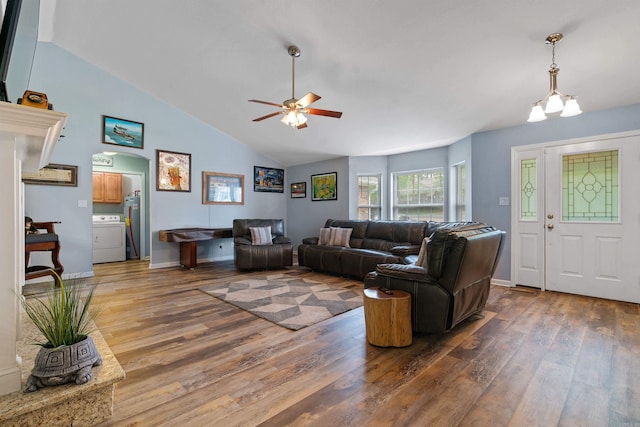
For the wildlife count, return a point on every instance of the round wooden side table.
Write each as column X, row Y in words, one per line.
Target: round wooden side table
column 387, row 317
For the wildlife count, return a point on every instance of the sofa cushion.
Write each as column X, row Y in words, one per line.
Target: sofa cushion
column 340, row 236
column 261, row 236
column 325, row 237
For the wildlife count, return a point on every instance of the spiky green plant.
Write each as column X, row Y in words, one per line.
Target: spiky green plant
column 62, row 317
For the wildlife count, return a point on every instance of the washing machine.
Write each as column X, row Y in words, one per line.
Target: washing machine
column 109, row 239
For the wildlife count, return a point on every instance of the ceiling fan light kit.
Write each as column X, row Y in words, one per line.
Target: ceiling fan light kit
column 292, row 109
column 555, row 100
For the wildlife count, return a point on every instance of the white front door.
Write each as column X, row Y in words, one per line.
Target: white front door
column 592, row 218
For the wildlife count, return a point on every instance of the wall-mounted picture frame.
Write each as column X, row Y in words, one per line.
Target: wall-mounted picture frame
column 324, row 186
column 125, row 133
column 268, row 180
column 222, row 188
column 173, row 171
column 298, row 190
column 53, row 174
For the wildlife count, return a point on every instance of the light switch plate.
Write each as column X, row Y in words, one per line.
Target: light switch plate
column 82, row 203
column 504, row 201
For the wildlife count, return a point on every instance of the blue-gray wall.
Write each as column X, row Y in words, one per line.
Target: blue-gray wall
column 491, row 158
column 86, row 93
column 305, row 217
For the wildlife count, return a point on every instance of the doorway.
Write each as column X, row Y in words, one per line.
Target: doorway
column 131, row 173
column 576, row 216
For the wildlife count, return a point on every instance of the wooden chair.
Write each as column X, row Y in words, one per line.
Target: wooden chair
column 40, row 242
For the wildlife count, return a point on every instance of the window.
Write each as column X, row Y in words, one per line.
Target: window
column 369, row 205
column 590, row 189
column 461, row 191
column 419, row 195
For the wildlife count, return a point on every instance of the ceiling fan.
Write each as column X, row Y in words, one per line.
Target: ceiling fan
column 293, row 109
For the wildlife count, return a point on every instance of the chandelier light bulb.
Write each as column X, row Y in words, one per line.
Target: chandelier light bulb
column 554, row 104
column 537, row 113
column 571, row 108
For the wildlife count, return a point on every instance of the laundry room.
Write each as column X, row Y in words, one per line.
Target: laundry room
column 120, row 197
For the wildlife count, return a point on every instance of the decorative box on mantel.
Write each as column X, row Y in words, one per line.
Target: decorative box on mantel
column 28, row 137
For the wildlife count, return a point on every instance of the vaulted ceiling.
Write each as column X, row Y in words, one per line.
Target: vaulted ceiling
column 408, row 74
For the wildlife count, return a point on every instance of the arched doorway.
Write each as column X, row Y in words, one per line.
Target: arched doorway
column 121, row 194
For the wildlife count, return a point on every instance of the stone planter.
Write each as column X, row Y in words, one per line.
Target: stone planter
column 56, row 366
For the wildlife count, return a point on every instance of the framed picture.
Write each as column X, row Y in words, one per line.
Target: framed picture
column 222, row 188
column 268, row 180
column 298, row 190
column 125, row 133
column 324, row 186
column 52, row 174
column 173, row 171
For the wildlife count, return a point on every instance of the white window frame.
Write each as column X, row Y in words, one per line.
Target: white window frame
column 459, row 191
column 370, row 206
column 441, row 205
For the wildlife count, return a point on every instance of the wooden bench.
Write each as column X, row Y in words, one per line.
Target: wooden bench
column 43, row 242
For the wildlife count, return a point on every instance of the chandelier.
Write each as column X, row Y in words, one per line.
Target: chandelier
column 555, row 100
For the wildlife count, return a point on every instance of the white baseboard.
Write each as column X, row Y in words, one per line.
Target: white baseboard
column 500, row 282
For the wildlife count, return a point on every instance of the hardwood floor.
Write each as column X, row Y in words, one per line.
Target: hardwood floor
column 532, row 359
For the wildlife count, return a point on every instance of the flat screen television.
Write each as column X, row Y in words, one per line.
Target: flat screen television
column 18, row 39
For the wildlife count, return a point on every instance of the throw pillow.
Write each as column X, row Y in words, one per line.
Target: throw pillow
column 325, row 237
column 422, row 255
column 340, row 236
column 261, row 236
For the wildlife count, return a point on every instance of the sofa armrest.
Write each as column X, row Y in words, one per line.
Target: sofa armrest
column 404, row 250
column 281, row 240
column 311, row 240
column 411, row 272
column 241, row 241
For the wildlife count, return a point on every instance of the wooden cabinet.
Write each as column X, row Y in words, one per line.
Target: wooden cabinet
column 107, row 187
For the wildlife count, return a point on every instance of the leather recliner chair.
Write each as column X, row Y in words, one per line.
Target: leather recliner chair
column 456, row 282
column 249, row 256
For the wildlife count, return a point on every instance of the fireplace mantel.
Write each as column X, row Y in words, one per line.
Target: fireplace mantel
column 28, row 137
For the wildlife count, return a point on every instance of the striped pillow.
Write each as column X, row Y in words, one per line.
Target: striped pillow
column 340, row 236
column 325, row 237
column 261, row 235
column 422, row 256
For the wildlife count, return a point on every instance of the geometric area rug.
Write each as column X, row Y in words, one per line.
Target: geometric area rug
column 291, row 302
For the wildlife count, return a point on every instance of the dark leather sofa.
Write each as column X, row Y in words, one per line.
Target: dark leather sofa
column 456, row 281
column 371, row 243
column 249, row 256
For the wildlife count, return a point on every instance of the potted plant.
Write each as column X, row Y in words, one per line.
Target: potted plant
column 65, row 321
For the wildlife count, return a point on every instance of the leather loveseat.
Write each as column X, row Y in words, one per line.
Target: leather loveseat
column 371, row 243
column 455, row 282
column 277, row 254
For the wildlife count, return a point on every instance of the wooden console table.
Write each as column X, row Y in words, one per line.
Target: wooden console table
column 188, row 238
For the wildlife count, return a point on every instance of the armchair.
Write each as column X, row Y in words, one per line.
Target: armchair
column 455, row 283
column 250, row 254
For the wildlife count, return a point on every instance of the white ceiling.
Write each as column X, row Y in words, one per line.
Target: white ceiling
column 408, row 74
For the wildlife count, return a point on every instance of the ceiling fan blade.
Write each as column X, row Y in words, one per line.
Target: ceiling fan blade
column 308, row 99
column 328, row 113
column 267, row 116
column 302, row 126
column 268, row 103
